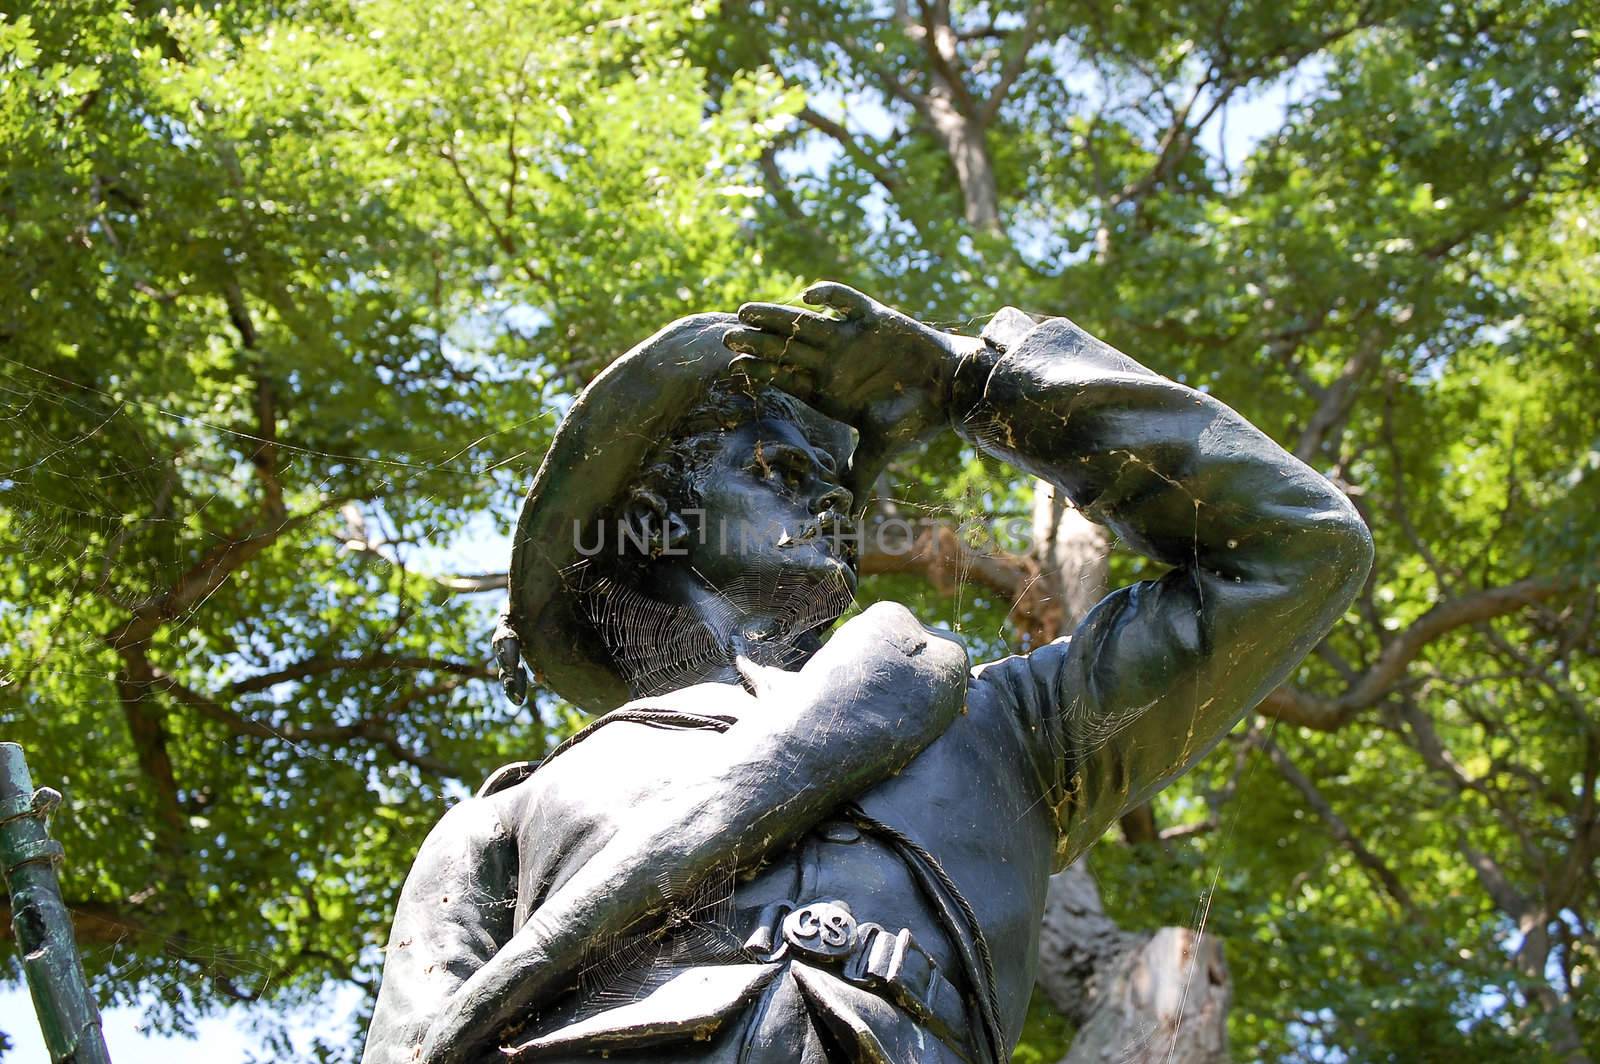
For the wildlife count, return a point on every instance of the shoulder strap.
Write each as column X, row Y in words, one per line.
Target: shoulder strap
column 507, row 776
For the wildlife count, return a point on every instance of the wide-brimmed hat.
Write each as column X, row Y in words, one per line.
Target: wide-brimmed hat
column 597, row 453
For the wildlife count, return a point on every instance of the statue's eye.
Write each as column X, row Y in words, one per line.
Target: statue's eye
column 796, row 469
column 788, row 465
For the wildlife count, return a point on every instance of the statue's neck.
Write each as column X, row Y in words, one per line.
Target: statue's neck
column 739, row 628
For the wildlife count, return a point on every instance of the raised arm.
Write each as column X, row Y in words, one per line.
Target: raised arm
column 1265, row 552
column 1266, row 555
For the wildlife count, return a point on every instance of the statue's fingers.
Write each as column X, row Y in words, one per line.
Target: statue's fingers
column 774, row 347
column 752, row 368
column 852, row 304
column 796, row 323
column 761, row 680
column 802, row 384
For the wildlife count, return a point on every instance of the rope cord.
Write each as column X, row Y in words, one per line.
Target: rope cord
column 980, row 970
column 645, row 715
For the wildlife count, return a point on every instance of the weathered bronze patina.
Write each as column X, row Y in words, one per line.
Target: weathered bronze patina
column 770, row 849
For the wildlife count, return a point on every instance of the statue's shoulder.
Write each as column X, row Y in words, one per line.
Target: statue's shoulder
column 1008, row 326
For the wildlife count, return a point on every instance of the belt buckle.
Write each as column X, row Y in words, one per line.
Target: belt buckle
column 823, row 931
column 888, row 963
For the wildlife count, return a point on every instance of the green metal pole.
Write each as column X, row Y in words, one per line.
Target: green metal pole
column 28, row 857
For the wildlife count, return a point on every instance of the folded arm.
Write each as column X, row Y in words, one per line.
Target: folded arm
column 807, row 742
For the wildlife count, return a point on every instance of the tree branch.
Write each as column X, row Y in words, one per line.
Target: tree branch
column 1336, row 824
column 465, row 584
column 1423, row 737
column 320, row 665
column 265, row 456
column 1329, row 714
column 149, row 737
column 887, row 80
column 939, row 43
column 201, row 579
column 1495, row 882
column 1339, row 397
column 1015, row 63
column 93, row 923
column 938, row 554
column 778, row 188
column 502, row 237
column 1173, row 147
column 368, row 728
column 852, row 146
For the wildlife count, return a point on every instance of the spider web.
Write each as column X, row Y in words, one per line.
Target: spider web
column 661, row 646
column 695, row 928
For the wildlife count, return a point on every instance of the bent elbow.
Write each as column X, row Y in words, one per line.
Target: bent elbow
column 1320, row 552
column 1333, row 557
column 1350, row 549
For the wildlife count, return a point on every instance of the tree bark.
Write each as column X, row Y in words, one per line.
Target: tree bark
column 958, row 118
column 1160, row 996
column 964, row 141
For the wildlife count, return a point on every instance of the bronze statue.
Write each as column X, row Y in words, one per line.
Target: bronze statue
column 769, row 848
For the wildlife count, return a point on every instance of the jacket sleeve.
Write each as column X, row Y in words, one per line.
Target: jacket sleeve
column 1265, row 555
column 454, row 913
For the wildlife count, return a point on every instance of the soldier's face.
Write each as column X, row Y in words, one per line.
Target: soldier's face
column 773, row 508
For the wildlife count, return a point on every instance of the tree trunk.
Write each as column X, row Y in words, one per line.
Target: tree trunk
column 1134, row 996
column 963, row 140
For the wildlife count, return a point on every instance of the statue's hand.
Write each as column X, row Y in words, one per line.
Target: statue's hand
column 866, row 364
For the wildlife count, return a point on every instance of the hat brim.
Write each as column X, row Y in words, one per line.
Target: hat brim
column 613, row 426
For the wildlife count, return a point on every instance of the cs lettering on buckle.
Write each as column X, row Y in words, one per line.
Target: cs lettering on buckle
column 823, row 931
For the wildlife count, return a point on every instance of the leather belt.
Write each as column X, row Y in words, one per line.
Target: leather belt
column 889, row 963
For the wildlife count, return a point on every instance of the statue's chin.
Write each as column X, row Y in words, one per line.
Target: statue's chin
column 787, row 629
column 692, row 621
column 777, row 647
column 822, row 562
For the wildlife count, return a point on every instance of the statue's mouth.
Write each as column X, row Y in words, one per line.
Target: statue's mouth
column 833, row 530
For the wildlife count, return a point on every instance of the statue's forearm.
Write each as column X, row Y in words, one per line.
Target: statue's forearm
column 1176, row 474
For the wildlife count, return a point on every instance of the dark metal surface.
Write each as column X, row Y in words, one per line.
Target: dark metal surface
column 68, row 1017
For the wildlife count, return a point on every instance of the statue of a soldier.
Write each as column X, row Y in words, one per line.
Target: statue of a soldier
column 769, row 848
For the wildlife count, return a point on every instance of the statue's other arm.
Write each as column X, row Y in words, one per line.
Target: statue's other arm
column 455, row 912
column 1266, row 555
